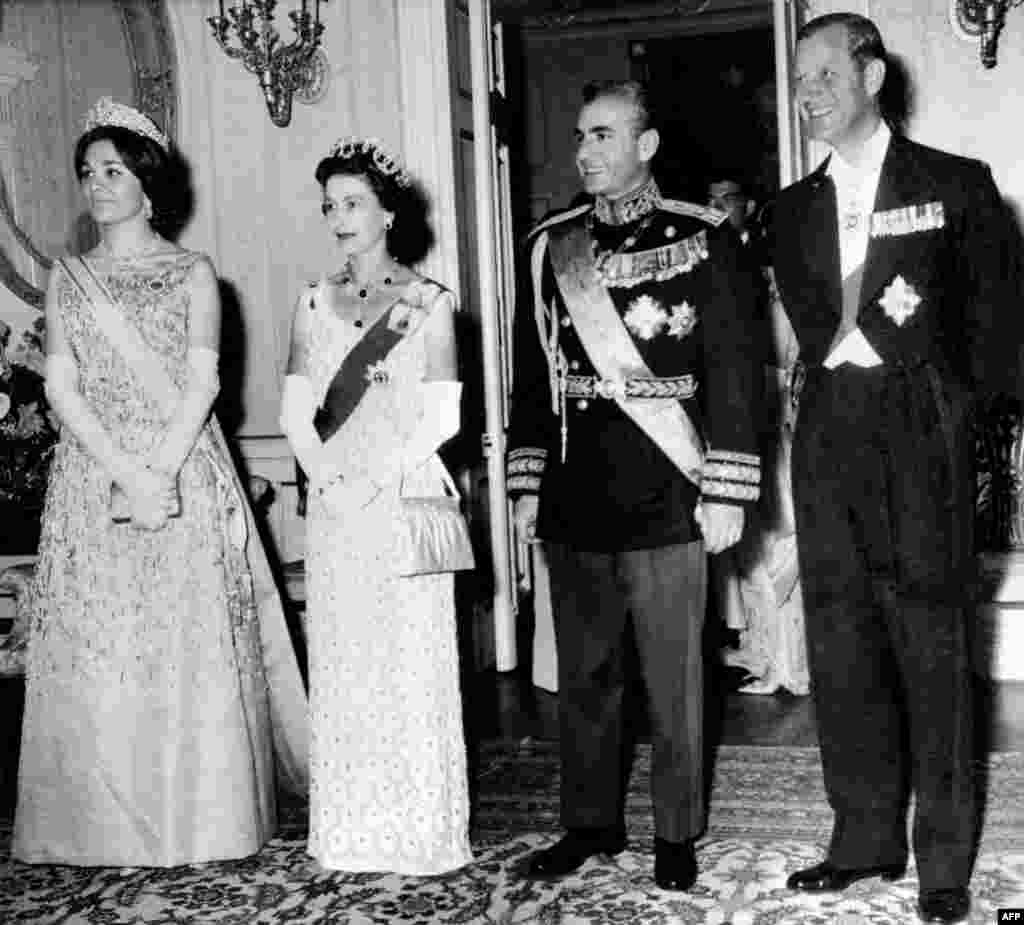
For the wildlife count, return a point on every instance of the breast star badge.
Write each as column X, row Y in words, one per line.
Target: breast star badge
column 645, row 317
column 899, row 301
column 682, row 320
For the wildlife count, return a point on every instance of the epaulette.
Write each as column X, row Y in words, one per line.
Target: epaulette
column 560, row 217
column 713, row 217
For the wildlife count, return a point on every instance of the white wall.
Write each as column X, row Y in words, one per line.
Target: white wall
column 258, row 204
column 257, row 201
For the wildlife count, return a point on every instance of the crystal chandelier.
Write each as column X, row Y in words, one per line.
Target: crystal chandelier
column 298, row 68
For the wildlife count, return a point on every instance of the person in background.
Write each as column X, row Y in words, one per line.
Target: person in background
column 150, row 717
column 632, row 454
column 756, row 584
column 729, row 196
column 370, row 396
column 898, row 267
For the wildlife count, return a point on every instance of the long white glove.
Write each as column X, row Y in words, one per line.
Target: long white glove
column 141, row 484
column 439, row 423
column 191, row 413
column 298, row 406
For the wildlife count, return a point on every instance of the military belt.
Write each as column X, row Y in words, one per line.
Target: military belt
column 677, row 387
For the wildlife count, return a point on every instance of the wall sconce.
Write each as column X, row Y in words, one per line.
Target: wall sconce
column 982, row 20
column 298, row 68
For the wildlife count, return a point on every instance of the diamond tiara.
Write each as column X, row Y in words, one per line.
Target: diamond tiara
column 386, row 162
column 106, row 111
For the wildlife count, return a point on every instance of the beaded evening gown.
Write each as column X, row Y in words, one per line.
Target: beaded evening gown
column 147, row 736
column 388, row 787
column 758, row 580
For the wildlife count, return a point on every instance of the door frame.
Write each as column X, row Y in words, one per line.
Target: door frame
column 428, row 140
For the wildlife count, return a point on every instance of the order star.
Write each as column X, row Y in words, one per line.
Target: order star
column 899, row 300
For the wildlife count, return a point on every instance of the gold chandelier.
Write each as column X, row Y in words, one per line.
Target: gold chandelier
column 298, row 68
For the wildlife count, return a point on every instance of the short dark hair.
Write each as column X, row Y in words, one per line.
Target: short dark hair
column 630, row 91
column 151, row 164
column 410, row 236
column 865, row 41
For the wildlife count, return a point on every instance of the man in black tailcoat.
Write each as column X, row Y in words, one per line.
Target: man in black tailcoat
column 632, row 453
column 897, row 265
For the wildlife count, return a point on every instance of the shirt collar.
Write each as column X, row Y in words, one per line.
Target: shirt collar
column 634, row 205
column 846, row 174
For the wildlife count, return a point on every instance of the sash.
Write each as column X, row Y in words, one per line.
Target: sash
column 289, row 712
column 350, row 382
column 613, row 352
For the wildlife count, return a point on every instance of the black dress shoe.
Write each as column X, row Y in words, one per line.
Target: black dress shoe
column 675, row 864
column 826, row 877
column 569, row 852
column 945, row 906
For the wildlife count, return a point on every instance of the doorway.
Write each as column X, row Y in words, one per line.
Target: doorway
column 711, row 72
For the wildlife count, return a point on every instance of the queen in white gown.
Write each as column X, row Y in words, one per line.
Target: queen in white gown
column 369, row 398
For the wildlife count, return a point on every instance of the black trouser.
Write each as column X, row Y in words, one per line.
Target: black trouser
column 596, row 598
column 883, row 508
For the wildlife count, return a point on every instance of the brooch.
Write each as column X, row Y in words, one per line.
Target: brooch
column 899, row 300
column 645, row 317
column 404, row 316
column 377, row 373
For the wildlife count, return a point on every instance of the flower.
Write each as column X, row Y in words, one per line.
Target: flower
column 28, row 429
column 645, row 317
column 899, row 300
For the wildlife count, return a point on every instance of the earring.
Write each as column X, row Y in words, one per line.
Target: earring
column 389, row 223
column 147, row 209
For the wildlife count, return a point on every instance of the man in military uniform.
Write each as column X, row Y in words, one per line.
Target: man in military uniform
column 632, row 453
column 897, row 266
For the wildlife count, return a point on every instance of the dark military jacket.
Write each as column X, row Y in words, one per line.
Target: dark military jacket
column 680, row 286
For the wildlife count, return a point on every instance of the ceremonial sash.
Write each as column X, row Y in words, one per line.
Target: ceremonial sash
column 257, row 588
column 613, row 352
column 350, row 381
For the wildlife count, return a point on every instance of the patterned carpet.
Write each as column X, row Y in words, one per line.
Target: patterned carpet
column 768, row 817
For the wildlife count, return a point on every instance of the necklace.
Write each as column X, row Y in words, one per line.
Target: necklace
column 363, row 290
column 366, row 288
column 144, row 251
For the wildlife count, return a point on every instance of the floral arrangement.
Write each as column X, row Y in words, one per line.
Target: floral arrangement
column 28, row 433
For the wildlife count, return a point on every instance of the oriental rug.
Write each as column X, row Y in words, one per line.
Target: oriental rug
column 768, row 817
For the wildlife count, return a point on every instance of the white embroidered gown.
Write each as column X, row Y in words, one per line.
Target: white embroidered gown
column 388, row 787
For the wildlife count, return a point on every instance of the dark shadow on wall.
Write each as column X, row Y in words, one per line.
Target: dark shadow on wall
column 897, row 98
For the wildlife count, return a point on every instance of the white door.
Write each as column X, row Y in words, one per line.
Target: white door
column 495, row 270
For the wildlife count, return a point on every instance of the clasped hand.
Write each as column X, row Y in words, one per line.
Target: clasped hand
column 152, row 497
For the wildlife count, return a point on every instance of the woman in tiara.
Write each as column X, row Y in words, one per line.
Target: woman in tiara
column 370, row 396
column 150, row 720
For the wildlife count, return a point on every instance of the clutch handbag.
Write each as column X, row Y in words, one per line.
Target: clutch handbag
column 433, row 536
column 121, row 508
